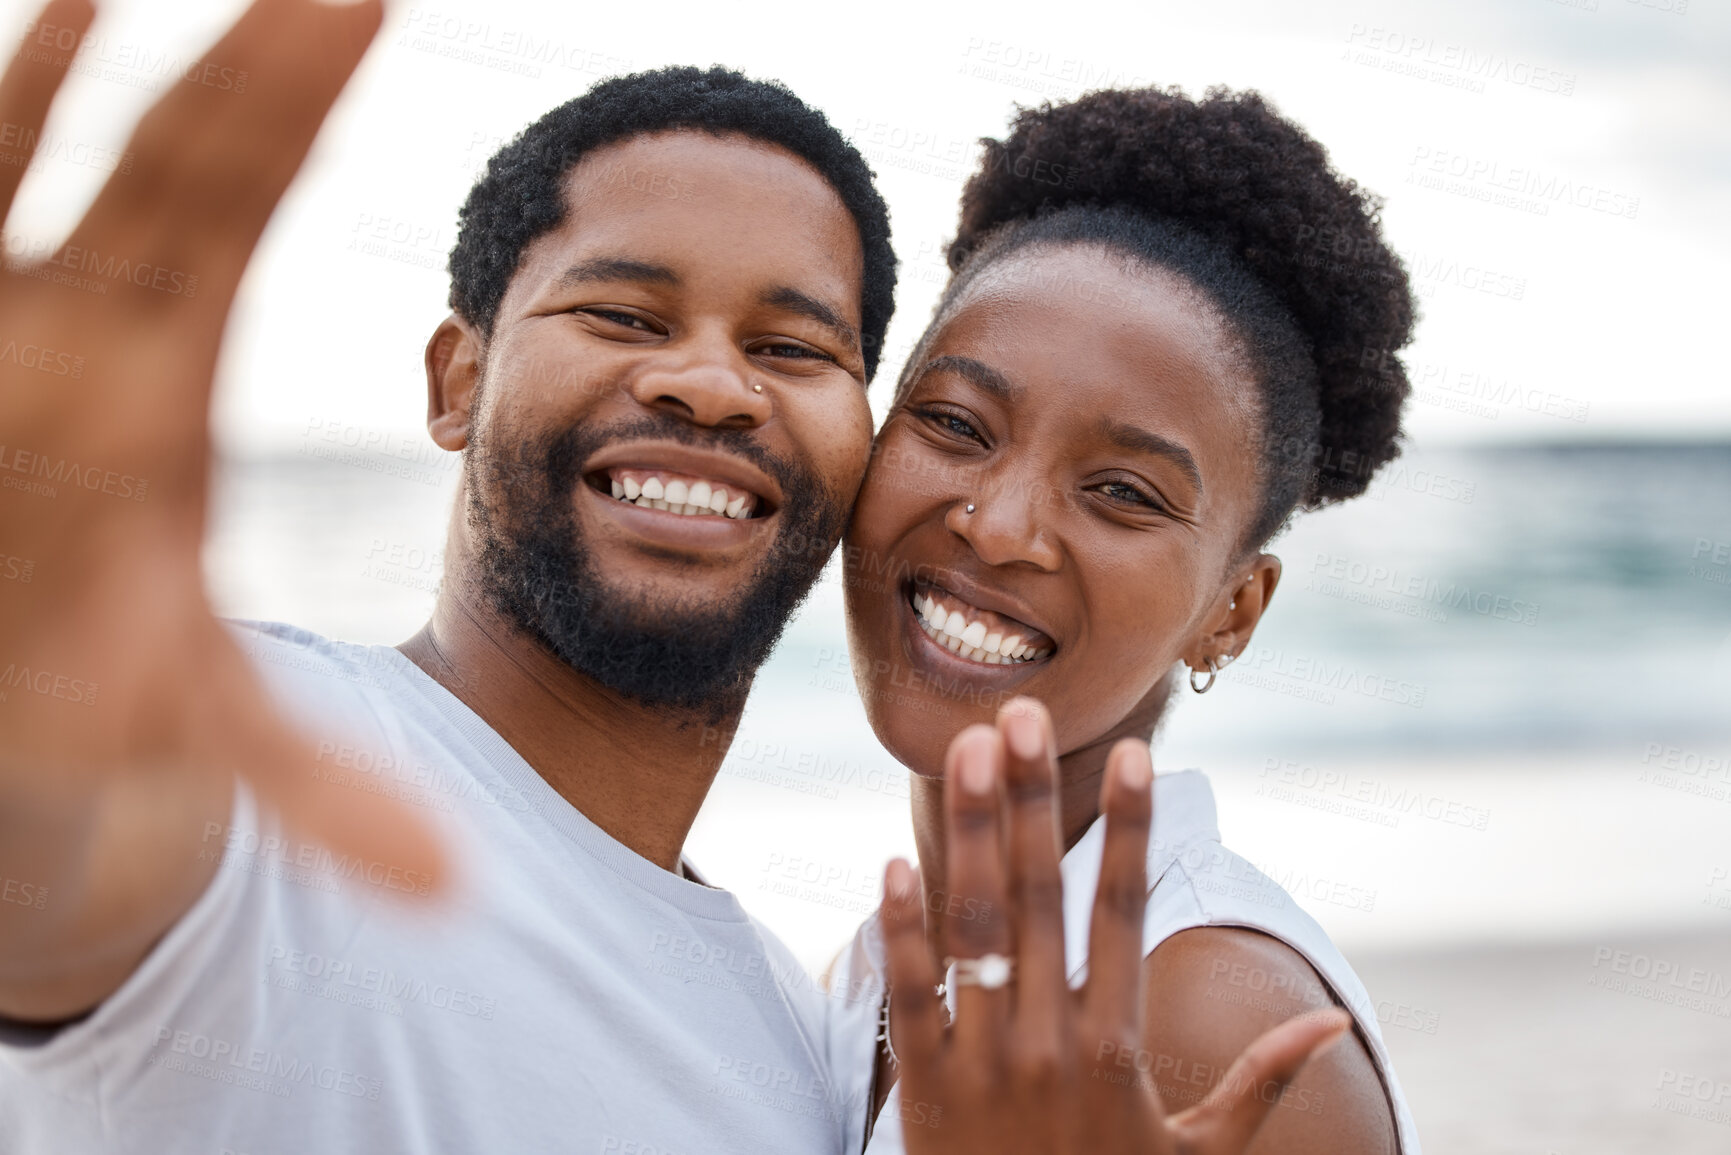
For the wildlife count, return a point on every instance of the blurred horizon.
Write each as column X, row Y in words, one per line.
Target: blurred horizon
column 1473, row 680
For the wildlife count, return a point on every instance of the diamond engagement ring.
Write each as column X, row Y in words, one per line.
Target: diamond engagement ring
column 990, row 971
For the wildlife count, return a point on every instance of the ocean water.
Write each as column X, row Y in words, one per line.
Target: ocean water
column 1491, row 699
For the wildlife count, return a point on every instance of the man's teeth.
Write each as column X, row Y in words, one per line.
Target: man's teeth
column 692, row 499
column 952, row 629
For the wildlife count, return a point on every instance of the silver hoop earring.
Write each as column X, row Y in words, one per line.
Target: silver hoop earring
column 1213, row 672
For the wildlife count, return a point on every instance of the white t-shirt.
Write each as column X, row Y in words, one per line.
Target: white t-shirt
column 1194, row 881
column 574, row 997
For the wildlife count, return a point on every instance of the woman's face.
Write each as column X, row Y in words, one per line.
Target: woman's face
column 1099, row 418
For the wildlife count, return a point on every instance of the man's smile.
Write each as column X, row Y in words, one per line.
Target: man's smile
column 683, row 497
column 680, row 493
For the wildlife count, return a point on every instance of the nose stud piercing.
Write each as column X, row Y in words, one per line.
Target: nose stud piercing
column 757, row 388
column 970, row 508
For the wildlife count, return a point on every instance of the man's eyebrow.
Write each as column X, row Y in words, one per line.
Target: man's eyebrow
column 616, row 269
column 976, row 373
column 1134, row 440
column 794, row 301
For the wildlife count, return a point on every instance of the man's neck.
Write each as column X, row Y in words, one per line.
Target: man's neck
column 637, row 772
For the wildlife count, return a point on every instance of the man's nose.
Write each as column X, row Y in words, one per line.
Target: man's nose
column 709, row 383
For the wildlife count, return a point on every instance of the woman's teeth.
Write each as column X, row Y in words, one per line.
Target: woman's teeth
column 966, row 638
column 692, row 498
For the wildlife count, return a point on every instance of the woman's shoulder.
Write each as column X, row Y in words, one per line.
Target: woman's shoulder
column 1210, row 991
column 1195, row 880
column 1230, row 954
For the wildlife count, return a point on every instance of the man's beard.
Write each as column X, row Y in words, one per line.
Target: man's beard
column 535, row 568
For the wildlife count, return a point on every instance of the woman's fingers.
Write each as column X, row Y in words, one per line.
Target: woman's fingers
column 1036, row 888
column 1113, row 995
column 1225, row 1122
column 975, row 922
column 916, row 1023
column 34, row 76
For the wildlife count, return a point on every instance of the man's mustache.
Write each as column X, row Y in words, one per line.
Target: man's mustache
column 570, row 453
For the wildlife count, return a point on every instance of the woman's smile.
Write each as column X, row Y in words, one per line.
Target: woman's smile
column 973, row 633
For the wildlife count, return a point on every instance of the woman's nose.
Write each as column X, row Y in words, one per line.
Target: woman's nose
column 1007, row 525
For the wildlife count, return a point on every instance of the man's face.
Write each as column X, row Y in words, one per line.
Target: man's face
column 691, row 328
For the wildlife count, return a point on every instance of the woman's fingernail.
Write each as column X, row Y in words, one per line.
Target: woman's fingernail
column 976, row 772
column 1022, row 730
column 1133, row 774
column 899, row 880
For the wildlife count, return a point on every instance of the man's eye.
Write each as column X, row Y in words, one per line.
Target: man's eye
column 799, row 352
column 629, row 320
column 1129, row 494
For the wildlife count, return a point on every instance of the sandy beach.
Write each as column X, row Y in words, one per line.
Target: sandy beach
column 1563, row 1049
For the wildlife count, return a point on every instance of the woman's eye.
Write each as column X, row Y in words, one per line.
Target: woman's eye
column 953, row 424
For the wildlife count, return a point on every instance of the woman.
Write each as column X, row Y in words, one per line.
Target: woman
column 1133, row 379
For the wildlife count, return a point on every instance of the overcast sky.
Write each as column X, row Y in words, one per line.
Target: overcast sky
column 1556, row 173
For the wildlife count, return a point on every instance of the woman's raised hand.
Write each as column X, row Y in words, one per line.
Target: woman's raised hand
column 125, row 670
column 1030, row 1065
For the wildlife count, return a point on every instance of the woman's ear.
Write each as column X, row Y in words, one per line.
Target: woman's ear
column 453, row 361
column 1238, row 607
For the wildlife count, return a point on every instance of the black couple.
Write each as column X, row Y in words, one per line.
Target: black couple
column 249, row 941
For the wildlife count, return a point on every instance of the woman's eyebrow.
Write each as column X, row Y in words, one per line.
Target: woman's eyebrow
column 1134, row 440
column 976, row 373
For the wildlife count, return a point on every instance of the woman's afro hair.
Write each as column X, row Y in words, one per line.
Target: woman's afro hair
column 1229, row 176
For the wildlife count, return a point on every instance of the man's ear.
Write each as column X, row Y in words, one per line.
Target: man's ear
column 453, row 372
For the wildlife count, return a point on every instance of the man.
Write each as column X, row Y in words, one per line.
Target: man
column 658, row 388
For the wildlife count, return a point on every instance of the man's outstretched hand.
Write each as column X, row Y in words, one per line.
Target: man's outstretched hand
column 130, row 681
